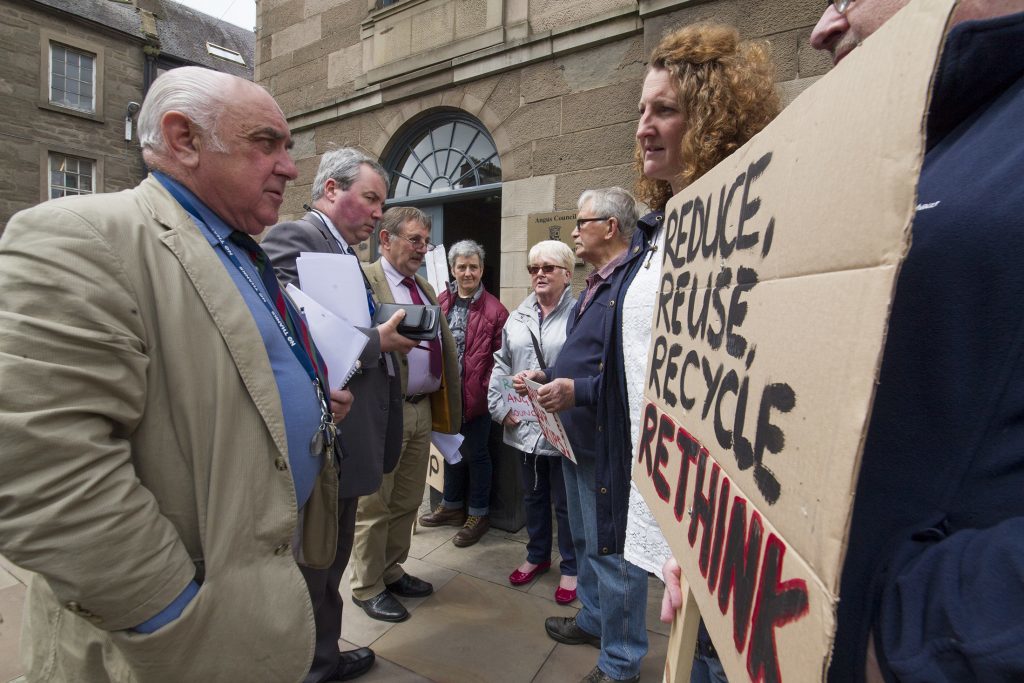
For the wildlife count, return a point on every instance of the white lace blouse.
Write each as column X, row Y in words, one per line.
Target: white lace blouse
column 645, row 544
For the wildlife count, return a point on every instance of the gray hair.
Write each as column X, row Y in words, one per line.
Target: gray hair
column 553, row 250
column 342, row 165
column 196, row 92
column 613, row 202
column 465, row 249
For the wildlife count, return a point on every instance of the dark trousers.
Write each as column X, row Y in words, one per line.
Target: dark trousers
column 323, row 591
column 543, row 486
column 476, row 462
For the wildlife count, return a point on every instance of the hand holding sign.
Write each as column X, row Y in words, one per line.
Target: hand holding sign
column 557, row 395
column 550, row 425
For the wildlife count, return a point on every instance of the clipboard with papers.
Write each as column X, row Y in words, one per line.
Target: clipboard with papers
column 339, row 342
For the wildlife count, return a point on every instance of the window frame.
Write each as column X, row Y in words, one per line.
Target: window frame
column 48, row 38
column 44, row 168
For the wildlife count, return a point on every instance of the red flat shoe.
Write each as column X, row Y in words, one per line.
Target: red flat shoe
column 563, row 596
column 518, row 578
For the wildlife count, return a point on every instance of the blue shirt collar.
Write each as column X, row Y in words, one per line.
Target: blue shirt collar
column 210, row 223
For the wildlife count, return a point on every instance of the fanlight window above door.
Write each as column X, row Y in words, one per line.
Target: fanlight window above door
column 445, row 153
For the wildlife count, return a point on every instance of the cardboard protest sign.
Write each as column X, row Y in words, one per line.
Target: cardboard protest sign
column 520, row 407
column 550, row 425
column 779, row 270
column 435, row 470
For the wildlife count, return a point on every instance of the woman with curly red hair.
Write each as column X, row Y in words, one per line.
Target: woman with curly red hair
column 705, row 94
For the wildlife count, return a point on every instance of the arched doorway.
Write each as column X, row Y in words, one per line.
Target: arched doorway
column 447, row 165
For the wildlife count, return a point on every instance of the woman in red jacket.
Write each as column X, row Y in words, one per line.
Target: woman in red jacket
column 476, row 319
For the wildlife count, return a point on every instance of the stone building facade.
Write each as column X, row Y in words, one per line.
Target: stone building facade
column 551, row 84
column 72, row 73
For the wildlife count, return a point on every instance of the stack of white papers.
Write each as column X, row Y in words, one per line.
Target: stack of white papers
column 340, row 344
column 335, row 281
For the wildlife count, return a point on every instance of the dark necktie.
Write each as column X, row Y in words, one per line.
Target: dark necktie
column 369, row 294
column 291, row 318
column 434, row 345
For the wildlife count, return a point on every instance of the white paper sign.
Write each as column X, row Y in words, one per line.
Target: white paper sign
column 335, row 281
column 520, row 407
column 339, row 343
column 436, row 263
column 550, row 425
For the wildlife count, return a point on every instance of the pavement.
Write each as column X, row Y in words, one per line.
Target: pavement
column 475, row 628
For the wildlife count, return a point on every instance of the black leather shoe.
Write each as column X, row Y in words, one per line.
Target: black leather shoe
column 410, row 587
column 565, row 630
column 353, row 664
column 383, row 607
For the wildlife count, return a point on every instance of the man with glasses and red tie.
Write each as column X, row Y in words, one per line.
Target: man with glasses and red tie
column 348, row 195
column 432, row 402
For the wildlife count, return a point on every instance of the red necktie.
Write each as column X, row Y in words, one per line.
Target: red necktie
column 434, row 345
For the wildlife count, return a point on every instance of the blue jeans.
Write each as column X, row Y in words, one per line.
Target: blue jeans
column 543, row 487
column 476, row 461
column 707, row 670
column 613, row 592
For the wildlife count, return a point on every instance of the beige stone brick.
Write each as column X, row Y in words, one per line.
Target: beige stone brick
column 281, row 16
column 533, row 121
column 511, row 297
column 309, row 74
column 529, row 195
column 296, row 36
column 601, row 106
column 482, row 88
column 518, row 163
column 504, row 98
column 811, row 62
column 344, row 66
column 569, row 186
column 594, row 148
column 303, row 144
column 341, row 133
column 513, row 270
column 789, row 90
column 752, row 19
column 331, row 40
column 543, row 80
column 513, row 233
column 432, row 28
column 392, row 43
column 612, row 62
column 470, row 17
column 548, row 15
column 784, row 53
column 307, row 171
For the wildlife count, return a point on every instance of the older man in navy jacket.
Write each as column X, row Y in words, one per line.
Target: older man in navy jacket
column 613, row 592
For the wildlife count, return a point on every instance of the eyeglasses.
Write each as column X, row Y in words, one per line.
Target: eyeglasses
column 417, row 242
column 581, row 221
column 841, row 5
column 547, row 269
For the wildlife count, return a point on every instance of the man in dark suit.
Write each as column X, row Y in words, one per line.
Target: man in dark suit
column 348, row 197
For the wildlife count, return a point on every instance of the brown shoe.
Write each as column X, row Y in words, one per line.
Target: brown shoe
column 442, row 516
column 473, row 531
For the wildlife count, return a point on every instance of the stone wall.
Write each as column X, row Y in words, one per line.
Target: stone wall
column 558, row 94
column 28, row 130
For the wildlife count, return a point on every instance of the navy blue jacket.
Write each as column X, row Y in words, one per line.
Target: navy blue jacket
column 935, row 564
column 613, row 467
column 582, row 360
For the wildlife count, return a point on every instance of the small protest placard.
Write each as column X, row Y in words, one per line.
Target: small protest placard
column 550, row 425
column 519, row 407
column 779, row 269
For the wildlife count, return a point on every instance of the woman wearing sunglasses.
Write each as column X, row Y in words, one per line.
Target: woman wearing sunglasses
column 532, row 338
